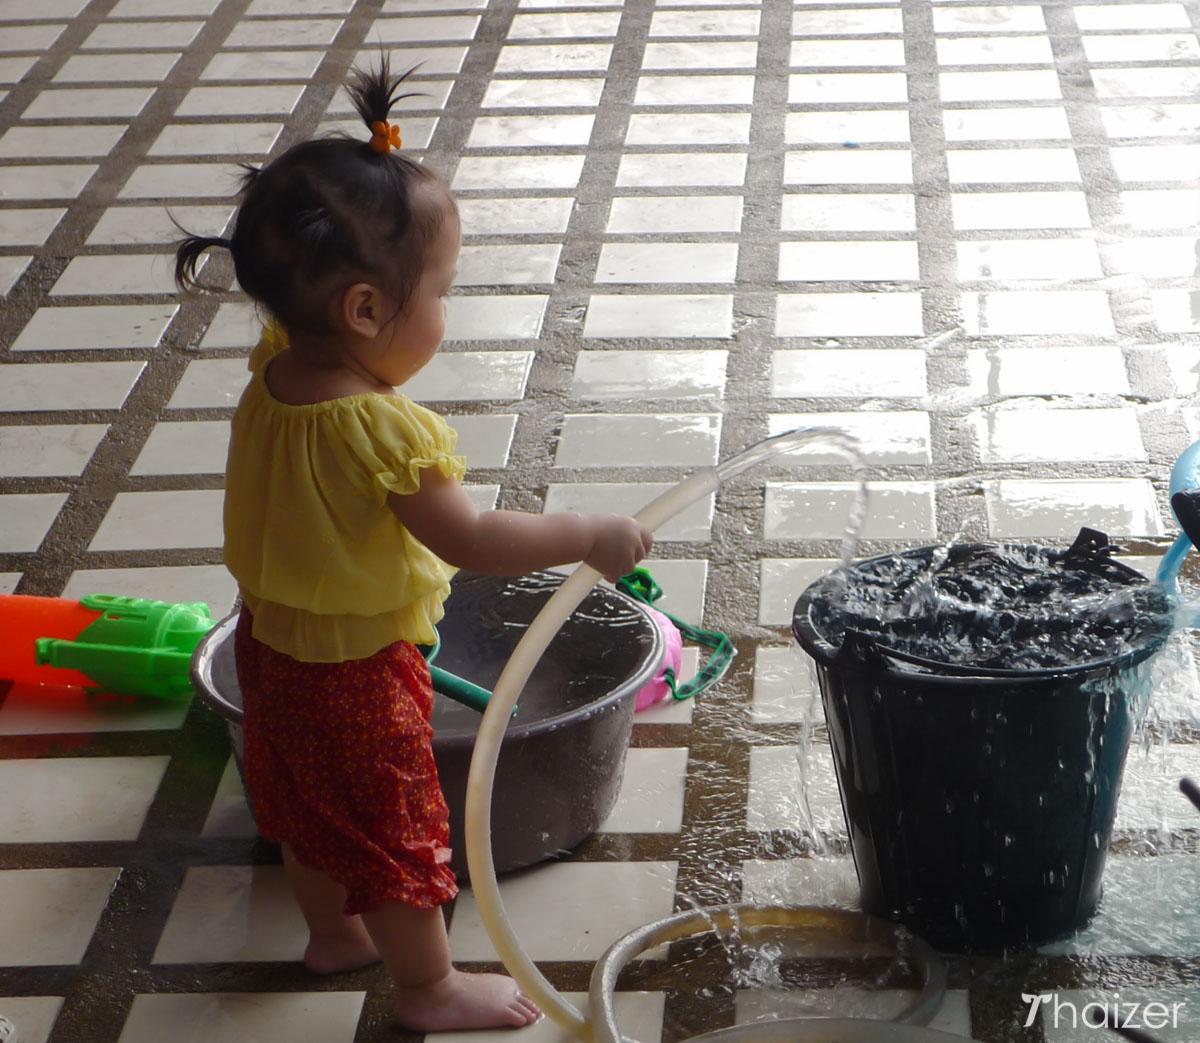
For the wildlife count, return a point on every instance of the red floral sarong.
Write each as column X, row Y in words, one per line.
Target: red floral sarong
column 339, row 764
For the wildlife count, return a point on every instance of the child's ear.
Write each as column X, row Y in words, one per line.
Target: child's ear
column 363, row 309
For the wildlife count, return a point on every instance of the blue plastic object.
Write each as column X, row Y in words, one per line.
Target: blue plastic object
column 1185, row 505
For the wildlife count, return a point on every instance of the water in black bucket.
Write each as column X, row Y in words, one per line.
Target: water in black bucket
column 980, row 699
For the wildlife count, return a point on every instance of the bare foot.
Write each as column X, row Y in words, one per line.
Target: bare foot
column 331, row 954
column 465, row 1001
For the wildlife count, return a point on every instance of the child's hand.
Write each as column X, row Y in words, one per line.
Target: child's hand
column 618, row 544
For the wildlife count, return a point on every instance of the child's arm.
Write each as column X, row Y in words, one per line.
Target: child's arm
column 509, row 543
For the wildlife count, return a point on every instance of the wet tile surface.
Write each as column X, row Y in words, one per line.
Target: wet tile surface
column 964, row 233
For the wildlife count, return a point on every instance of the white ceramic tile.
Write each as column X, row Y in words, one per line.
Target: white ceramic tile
column 883, row 438
column 39, row 709
column 1023, row 85
column 236, row 325
column 820, row 510
column 676, row 169
column 507, row 265
column 667, row 263
column 692, row 523
column 572, row 24
column 1103, row 17
column 472, row 375
column 126, row 36
column 984, row 210
column 823, row 880
column 848, row 167
column 47, row 916
column 995, row 50
column 11, row 269
column 75, row 385
column 988, row 166
column 848, row 212
column 77, row 103
column 580, row 57
column 13, row 70
column 694, row 90
column 1012, row 260
column 730, row 54
column 265, row 8
column 1150, row 121
column 1000, row 124
column 1048, row 371
column 525, row 216
column 48, row 450
column 848, row 314
column 1055, row 509
column 265, row 100
column 95, row 326
column 847, row 261
column 1150, row 797
column 1176, row 311
column 1037, row 311
column 667, row 440
column 180, row 180
column 45, row 180
column 263, row 65
column 501, row 172
column 1184, row 364
column 230, row 814
column 485, row 440
column 1154, row 257
column 547, row 93
column 158, row 8
column 1146, row 83
column 1054, row 436
column 816, row 54
column 30, row 37
column 198, row 447
column 122, row 274
column 153, row 225
column 1128, row 924
column 291, row 32
column 1161, row 207
column 781, row 581
column 60, row 142
column 649, row 374
column 210, row 383
column 154, row 520
column 211, row 585
column 854, row 21
column 786, row 794
column 109, row 68
column 34, row 1016
column 651, row 796
column 659, row 315
column 837, row 88
column 993, row 18
column 783, row 691
column 543, row 908
column 15, row 10
column 683, row 582
column 1153, row 47
column 233, row 1017
column 73, row 799
column 704, row 23
column 421, row 29
column 426, row 94
column 8, row 582
column 29, row 227
column 844, row 373
column 27, row 518
column 700, row 128
column 849, row 127
column 641, row 214
column 233, row 913
column 495, row 317
column 530, row 132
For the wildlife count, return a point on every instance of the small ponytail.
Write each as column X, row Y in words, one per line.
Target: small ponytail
column 188, row 253
column 373, row 92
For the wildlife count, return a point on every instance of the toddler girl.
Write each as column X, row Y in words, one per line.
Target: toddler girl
column 344, row 520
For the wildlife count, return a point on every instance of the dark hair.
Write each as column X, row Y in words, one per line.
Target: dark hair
column 328, row 213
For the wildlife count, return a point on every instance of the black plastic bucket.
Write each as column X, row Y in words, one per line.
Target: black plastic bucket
column 979, row 802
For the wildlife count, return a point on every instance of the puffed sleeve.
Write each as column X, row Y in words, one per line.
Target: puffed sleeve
column 273, row 341
column 393, row 439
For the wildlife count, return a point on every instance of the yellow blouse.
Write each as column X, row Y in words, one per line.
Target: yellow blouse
column 325, row 567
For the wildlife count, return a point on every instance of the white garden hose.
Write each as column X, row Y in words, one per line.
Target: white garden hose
column 477, row 825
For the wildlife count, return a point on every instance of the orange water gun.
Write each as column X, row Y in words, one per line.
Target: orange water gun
column 122, row 646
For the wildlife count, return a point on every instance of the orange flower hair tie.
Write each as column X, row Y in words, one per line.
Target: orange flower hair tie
column 384, row 136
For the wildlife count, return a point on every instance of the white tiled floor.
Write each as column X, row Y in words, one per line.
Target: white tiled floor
column 965, row 233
